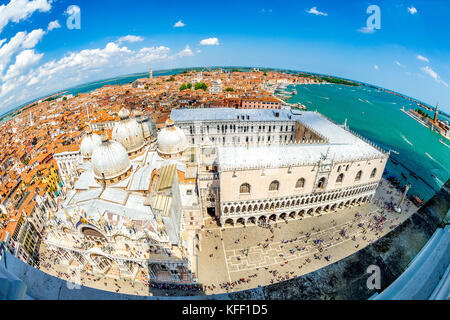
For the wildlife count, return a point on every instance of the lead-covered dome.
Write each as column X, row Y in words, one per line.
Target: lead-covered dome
column 171, row 139
column 110, row 160
column 128, row 132
column 89, row 143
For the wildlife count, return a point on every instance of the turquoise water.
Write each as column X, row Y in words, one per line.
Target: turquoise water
column 376, row 115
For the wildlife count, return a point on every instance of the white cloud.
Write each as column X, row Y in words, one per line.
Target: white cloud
column 264, row 10
column 314, row 10
column 433, row 74
column 399, row 64
column 24, row 61
column 366, row 30
column 179, row 24
column 18, row 10
column 32, row 39
column 198, row 50
column 130, row 38
column 420, row 57
column 22, row 40
column 147, row 55
column 210, row 42
column 376, row 67
column 72, row 10
column 53, row 25
column 186, row 52
column 24, row 82
column 412, row 10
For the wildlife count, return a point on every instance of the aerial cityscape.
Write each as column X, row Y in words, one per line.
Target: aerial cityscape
column 234, row 180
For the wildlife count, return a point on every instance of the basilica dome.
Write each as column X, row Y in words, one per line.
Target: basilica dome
column 89, row 143
column 110, row 160
column 128, row 132
column 171, row 139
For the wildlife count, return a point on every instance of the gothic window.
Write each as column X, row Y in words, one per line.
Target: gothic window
column 374, row 172
column 274, row 185
column 245, row 188
column 358, row 175
column 300, row 183
column 340, row 178
column 321, row 183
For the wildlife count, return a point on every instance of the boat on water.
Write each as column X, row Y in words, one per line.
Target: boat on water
column 416, row 200
column 394, row 161
column 440, row 140
column 403, row 175
column 413, row 174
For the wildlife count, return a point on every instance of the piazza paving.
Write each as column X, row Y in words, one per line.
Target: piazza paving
column 242, row 257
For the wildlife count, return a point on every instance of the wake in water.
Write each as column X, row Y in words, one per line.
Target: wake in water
column 440, row 140
column 440, row 164
column 406, row 140
column 365, row 101
column 326, row 98
column 438, row 181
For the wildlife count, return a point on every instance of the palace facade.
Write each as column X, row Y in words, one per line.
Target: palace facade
column 134, row 205
column 261, row 165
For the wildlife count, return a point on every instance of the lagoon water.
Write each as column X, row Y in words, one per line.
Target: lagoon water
column 371, row 113
column 376, row 115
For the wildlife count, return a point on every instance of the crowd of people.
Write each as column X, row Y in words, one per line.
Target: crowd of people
column 369, row 226
column 303, row 244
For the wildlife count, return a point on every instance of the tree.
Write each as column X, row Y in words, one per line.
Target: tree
column 183, row 87
column 200, row 85
column 229, row 89
column 189, row 85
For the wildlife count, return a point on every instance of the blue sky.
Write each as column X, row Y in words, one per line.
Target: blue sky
column 410, row 53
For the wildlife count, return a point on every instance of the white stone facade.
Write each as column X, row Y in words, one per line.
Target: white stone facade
column 271, row 164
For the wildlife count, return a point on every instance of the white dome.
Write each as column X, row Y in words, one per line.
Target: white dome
column 124, row 113
column 110, row 159
column 128, row 132
column 89, row 143
column 171, row 139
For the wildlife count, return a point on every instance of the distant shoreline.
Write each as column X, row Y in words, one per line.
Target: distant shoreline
column 138, row 75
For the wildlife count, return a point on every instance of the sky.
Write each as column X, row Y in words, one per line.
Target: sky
column 50, row 45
